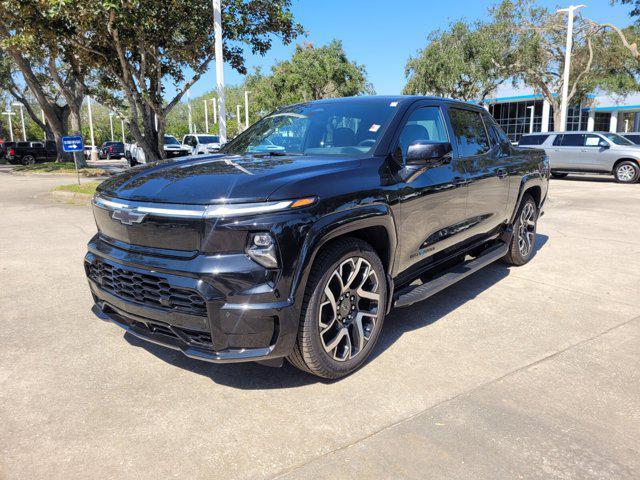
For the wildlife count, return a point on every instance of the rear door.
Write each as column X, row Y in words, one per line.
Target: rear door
column 484, row 163
column 567, row 152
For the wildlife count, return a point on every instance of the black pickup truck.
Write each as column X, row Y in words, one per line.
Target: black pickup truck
column 308, row 228
column 28, row 153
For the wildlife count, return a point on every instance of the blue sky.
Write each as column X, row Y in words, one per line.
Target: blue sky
column 383, row 34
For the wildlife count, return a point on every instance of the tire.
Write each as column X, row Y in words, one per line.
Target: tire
column 322, row 326
column 558, row 175
column 626, row 172
column 523, row 240
column 28, row 160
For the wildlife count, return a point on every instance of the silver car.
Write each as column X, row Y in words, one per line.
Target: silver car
column 588, row 152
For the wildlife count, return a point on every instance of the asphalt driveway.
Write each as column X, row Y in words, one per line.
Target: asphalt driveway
column 530, row 372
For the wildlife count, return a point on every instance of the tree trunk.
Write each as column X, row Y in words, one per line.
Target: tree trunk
column 76, row 129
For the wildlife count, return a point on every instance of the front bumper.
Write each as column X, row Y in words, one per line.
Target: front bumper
column 237, row 315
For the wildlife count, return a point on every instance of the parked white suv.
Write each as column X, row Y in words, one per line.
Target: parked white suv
column 588, row 152
column 202, row 143
column 172, row 149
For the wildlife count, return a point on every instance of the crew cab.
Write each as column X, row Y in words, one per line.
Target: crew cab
column 110, row 150
column 172, row 149
column 299, row 252
column 602, row 153
column 202, row 143
column 28, row 153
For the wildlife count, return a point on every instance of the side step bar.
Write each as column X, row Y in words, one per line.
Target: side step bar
column 410, row 295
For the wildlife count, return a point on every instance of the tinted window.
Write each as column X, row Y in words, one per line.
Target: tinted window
column 424, row 124
column 169, row 140
column 469, row 132
column 617, row 139
column 23, row 144
column 533, row 139
column 634, row 138
column 209, row 139
column 572, row 140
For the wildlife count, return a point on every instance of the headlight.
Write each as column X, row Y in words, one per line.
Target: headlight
column 262, row 249
column 240, row 209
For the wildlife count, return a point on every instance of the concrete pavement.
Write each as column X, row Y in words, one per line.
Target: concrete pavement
column 528, row 372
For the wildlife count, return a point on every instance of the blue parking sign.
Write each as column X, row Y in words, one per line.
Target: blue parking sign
column 72, row 144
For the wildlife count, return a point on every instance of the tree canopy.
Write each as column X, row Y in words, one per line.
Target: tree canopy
column 312, row 73
column 459, row 62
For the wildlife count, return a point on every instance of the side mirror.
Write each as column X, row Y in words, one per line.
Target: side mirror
column 423, row 152
column 604, row 144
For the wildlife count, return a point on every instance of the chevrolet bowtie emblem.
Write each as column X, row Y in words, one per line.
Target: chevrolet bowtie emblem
column 128, row 217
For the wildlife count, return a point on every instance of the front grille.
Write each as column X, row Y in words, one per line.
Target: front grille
column 191, row 337
column 146, row 289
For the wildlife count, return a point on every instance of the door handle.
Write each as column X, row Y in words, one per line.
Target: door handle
column 501, row 173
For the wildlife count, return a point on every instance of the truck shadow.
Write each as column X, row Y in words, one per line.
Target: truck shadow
column 250, row 376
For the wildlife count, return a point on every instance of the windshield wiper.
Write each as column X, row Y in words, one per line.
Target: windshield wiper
column 274, row 154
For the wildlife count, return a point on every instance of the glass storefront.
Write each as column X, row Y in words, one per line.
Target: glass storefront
column 515, row 117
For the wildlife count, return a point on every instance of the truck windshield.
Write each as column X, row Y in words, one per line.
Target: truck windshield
column 328, row 128
column 618, row 139
column 169, row 140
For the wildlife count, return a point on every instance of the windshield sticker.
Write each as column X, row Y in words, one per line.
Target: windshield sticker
column 374, row 128
column 393, row 104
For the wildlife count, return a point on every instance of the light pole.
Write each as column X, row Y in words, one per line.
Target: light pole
column 8, row 113
column 239, row 119
column 567, row 63
column 189, row 111
column 93, row 144
column 246, row 109
column 532, row 108
column 24, row 129
column 206, row 117
column 215, row 110
column 217, row 30
column 124, row 140
column 111, row 124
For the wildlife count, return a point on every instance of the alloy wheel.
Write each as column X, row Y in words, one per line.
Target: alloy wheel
column 527, row 229
column 349, row 309
column 626, row 173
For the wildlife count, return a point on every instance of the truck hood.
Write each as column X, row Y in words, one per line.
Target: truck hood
column 210, row 179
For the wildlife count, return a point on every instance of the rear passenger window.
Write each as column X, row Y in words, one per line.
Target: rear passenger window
column 533, row 139
column 572, row 140
column 469, row 132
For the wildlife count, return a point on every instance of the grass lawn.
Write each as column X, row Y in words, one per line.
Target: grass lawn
column 62, row 167
column 88, row 188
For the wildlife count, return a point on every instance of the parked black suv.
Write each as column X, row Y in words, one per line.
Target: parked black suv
column 309, row 227
column 28, row 153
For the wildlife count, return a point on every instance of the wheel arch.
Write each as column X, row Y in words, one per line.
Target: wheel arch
column 372, row 224
column 625, row 159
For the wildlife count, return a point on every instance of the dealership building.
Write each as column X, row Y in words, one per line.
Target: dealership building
column 519, row 111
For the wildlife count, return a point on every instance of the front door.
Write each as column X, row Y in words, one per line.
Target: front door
column 486, row 165
column 429, row 205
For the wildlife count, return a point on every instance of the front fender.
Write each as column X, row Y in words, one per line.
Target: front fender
column 338, row 224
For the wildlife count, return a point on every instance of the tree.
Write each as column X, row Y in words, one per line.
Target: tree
column 139, row 46
column 459, row 63
column 311, row 74
column 48, row 64
column 536, row 38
